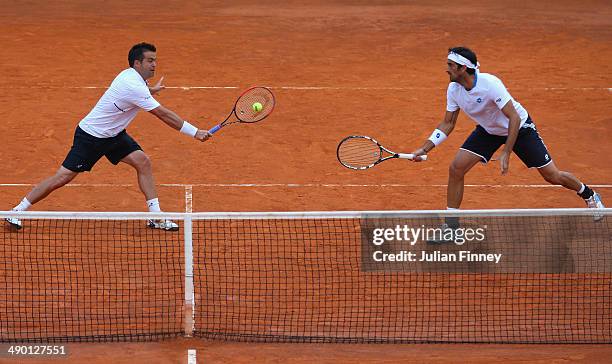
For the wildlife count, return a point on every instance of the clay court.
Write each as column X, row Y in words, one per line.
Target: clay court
column 336, row 68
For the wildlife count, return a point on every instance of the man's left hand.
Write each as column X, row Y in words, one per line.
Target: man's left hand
column 158, row 86
column 504, row 160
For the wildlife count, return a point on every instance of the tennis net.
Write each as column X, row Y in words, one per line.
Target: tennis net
column 495, row 276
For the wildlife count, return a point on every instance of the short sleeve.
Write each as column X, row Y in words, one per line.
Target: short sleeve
column 141, row 97
column 451, row 104
column 499, row 93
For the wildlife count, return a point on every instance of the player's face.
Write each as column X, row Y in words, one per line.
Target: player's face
column 146, row 68
column 453, row 70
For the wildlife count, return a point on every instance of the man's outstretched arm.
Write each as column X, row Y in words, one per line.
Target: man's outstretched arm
column 174, row 121
column 442, row 131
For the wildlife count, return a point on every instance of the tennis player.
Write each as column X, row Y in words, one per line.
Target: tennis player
column 500, row 120
column 102, row 133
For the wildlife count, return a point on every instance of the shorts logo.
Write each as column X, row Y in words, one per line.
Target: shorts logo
column 479, row 100
column 498, row 100
column 546, row 157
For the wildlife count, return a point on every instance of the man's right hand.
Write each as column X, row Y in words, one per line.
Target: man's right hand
column 202, row 135
column 418, row 153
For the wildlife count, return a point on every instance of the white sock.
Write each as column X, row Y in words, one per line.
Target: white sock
column 581, row 190
column 153, row 205
column 452, row 208
column 23, row 205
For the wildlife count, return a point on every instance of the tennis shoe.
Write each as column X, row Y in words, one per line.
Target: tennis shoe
column 446, row 238
column 165, row 224
column 14, row 222
column 594, row 202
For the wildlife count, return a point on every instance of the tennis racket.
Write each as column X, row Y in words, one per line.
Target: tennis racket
column 363, row 152
column 255, row 104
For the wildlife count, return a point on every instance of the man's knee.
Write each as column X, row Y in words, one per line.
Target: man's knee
column 62, row 177
column 552, row 177
column 455, row 170
column 142, row 163
column 461, row 165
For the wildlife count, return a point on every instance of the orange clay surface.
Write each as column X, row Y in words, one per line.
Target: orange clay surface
column 337, row 68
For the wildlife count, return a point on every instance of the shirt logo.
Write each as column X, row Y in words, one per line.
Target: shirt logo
column 479, row 100
column 498, row 100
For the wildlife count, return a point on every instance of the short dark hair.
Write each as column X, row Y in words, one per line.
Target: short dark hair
column 137, row 52
column 467, row 53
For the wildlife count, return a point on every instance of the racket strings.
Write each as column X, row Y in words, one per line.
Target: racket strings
column 244, row 106
column 359, row 152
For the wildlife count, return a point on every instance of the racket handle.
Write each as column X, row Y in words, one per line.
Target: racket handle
column 215, row 129
column 411, row 156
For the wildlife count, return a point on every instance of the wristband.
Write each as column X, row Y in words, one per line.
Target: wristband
column 437, row 137
column 189, row 129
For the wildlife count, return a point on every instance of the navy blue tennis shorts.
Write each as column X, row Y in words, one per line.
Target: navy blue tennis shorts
column 529, row 146
column 87, row 150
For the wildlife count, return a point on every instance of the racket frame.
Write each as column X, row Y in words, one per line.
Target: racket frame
column 392, row 155
column 225, row 122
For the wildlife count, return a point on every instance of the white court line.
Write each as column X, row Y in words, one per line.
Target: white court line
column 191, row 356
column 335, row 88
column 188, row 198
column 314, row 88
column 189, row 187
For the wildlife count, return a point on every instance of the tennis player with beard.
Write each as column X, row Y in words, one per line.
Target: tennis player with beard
column 501, row 121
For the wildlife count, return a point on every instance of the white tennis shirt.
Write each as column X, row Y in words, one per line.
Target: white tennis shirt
column 483, row 103
column 119, row 105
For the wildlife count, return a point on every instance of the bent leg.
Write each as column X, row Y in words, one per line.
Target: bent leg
column 463, row 162
column 142, row 164
column 530, row 148
column 44, row 188
column 554, row 176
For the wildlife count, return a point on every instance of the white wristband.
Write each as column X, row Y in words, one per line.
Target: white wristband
column 437, row 137
column 189, row 129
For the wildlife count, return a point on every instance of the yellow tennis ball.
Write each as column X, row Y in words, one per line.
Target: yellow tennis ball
column 257, row 107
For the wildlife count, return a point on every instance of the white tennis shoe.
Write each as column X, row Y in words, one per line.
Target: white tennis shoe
column 165, row 224
column 594, row 202
column 14, row 222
